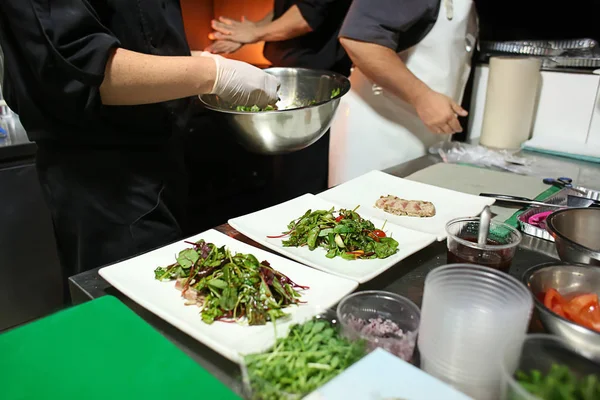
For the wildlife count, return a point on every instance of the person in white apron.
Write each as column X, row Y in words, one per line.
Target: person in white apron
column 400, row 104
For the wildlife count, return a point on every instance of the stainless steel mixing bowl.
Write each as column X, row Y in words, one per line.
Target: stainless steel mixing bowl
column 305, row 111
column 566, row 279
column 576, row 233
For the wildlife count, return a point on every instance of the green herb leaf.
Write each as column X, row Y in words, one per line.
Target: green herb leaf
column 347, row 235
column 187, row 258
column 232, row 286
column 559, row 384
column 309, row 356
column 217, row 283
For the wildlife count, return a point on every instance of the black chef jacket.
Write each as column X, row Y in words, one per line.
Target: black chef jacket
column 112, row 176
column 319, row 49
column 55, row 55
column 396, row 24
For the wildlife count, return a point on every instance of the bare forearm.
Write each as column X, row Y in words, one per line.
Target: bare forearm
column 290, row 25
column 383, row 66
column 266, row 20
column 134, row 78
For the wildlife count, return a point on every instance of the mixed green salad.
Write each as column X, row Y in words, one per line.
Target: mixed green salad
column 228, row 286
column 334, row 93
column 308, row 357
column 559, row 384
column 345, row 235
column 255, row 108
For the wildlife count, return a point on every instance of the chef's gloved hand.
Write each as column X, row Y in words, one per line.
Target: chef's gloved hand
column 242, row 84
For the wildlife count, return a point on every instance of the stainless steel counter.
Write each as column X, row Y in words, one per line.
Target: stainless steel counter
column 406, row 278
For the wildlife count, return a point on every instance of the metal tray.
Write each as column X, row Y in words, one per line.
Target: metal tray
column 531, row 229
column 541, row 47
column 589, row 193
column 575, row 62
column 557, row 198
column 555, row 54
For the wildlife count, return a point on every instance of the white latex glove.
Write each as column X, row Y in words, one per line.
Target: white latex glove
column 242, row 84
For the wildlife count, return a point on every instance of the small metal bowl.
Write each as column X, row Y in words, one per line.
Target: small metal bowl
column 305, row 112
column 565, row 278
column 576, row 232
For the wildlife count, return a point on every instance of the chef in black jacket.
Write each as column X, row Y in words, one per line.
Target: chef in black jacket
column 301, row 34
column 104, row 89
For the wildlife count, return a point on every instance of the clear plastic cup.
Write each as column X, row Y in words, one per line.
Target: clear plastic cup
column 375, row 316
column 539, row 352
column 470, row 314
column 476, row 389
column 497, row 253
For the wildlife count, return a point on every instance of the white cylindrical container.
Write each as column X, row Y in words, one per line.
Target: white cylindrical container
column 510, row 101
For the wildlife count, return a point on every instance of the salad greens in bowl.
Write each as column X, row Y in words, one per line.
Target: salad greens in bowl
column 311, row 354
column 549, row 369
column 308, row 101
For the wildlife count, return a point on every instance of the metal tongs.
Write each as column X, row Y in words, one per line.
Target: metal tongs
column 572, row 201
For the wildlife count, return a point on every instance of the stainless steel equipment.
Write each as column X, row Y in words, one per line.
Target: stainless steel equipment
column 537, row 231
column 570, row 53
column 565, row 278
column 518, row 201
column 571, row 201
column 297, row 123
column 576, row 233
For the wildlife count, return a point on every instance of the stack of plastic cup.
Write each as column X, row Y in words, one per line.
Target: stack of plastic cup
column 469, row 317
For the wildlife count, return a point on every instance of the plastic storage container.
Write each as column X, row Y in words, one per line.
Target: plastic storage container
column 470, row 314
column 382, row 319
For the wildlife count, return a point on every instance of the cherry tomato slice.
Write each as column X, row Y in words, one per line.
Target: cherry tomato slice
column 583, row 302
column 553, row 298
column 379, row 233
column 590, row 319
column 557, row 309
column 339, row 218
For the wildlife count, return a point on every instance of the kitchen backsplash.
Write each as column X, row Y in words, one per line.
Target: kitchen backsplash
column 197, row 15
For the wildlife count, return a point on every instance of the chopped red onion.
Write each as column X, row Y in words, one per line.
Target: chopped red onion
column 379, row 332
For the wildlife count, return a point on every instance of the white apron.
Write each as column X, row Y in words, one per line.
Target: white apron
column 377, row 130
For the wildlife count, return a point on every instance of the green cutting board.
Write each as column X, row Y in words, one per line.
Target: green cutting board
column 99, row 350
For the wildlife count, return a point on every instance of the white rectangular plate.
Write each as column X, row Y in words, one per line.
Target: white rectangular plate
column 384, row 376
column 274, row 220
column 135, row 279
column 366, row 190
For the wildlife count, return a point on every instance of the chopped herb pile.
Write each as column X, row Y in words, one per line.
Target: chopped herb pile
column 559, row 384
column 229, row 287
column 347, row 235
column 312, row 354
column 335, row 92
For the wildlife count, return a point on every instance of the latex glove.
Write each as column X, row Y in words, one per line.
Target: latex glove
column 242, row 84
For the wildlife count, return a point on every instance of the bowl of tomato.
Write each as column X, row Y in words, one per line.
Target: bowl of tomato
column 566, row 297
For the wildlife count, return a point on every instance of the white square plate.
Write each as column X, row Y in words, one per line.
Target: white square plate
column 135, row 279
column 274, row 220
column 366, row 190
column 384, row 376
